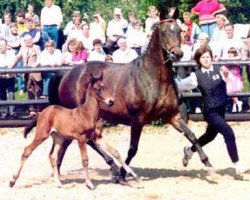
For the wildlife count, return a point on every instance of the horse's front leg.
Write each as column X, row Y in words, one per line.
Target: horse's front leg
column 136, row 129
column 181, row 126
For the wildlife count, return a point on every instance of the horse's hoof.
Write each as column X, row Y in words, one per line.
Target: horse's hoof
column 115, row 171
column 212, row 175
column 12, row 183
column 90, row 186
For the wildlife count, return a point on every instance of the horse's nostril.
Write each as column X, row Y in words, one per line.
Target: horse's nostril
column 111, row 102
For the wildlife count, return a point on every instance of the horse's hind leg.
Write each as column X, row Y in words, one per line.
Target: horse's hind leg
column 103, row 144
column 27, row 152
column 57, row 143
column 85, row 163
column 180, row 125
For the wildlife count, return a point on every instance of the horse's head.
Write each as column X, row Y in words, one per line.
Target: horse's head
column 100, row 90
column 170, row 38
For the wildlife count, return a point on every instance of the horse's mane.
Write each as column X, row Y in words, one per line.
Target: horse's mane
column 154, row 27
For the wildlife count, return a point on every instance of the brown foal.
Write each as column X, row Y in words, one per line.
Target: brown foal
column 80, row 124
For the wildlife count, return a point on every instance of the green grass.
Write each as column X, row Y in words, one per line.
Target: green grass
column 245, row 81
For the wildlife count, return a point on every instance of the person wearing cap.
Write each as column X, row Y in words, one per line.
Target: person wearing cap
column 97, row 53
column 70, row 25
column 51, row 20
column 116, row 29
column 98, row 27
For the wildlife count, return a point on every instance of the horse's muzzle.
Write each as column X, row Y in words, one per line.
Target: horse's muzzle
column 176, row 54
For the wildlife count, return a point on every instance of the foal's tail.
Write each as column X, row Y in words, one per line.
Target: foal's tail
column 29, row 127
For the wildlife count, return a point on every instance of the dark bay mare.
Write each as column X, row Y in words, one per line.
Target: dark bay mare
column 144, row 90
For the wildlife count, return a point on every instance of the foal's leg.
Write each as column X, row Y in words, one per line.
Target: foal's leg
column 57, row 143
column 85, row 162
column 103, row 144
column 27, row 152
column 181, row 126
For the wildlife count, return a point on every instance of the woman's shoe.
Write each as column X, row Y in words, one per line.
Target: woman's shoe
column 234, row 109
column 239, row 105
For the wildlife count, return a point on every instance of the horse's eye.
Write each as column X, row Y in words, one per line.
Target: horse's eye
column 98, row 90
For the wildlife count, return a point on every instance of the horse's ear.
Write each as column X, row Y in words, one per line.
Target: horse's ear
column 173, row 12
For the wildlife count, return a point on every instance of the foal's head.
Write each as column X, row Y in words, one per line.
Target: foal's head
column 100, row 91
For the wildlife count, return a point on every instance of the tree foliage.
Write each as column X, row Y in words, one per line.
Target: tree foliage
column 237, row 10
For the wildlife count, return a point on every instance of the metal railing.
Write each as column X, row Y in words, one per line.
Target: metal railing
column 197, row 117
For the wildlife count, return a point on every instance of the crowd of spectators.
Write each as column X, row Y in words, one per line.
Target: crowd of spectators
column 30, row 40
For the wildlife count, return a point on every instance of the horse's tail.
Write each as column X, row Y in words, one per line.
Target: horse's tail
column 29, row 127
column 54, row 83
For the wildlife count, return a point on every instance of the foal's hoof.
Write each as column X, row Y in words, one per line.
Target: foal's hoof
column 212, row 175
column 12, row 183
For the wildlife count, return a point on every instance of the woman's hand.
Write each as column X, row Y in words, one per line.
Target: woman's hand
column 224, row 71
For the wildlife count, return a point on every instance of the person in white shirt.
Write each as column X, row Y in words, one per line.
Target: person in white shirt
column 98, row 27
column 116, row 29
column 153, row 17
column 124, row 54
column 52, row 57
column 229, row 41
column 97, row 53
column 5, row 27
column 51, row 19
column 30, row 14
column 136, row 37
column 70, row 25
column 7, row 81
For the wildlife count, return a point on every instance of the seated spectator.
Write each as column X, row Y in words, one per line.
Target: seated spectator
column 193, row 30
column 229, row 41
column 44, row 35
column 116, row 29
column 5, row 27
column 14, row 40
column 7, row 81
column 71, row 25
column 153, row 17
column 52, row 57
column 20, row 21
column 132, row 18
column 235, row 84
column 80, row 54
column 136, row 37
column 219, row 31
column 98, row 28
column 30, row 14
column 29, row 54
column 33, row 32
column 67, row 56
column 97, row 53
column 124, row 54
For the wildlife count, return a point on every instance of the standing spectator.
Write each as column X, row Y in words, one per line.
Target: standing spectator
column 153, row 17
column 215, row 98
column 124, row 54
column 116, row 29
column 79, row 52
column 29, row 54
column 31, row 14
column 219, row 31
column 20, row 21
column 236, row 83
column 44, row 35
column 206, row 10
column 185, row 44
column 193, row 29
column 7, row 81
column 52, row 57
column 132, row 18
column 136, row 37
column 51, row 20
column 97, row 53
column 5, row 27
column 71, row 24
column 98, row 27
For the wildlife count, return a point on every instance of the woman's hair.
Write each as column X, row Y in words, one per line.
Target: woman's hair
column 50, row 43
column 71, row 42
column 199, row 52
column 233, row 50
column 223, row 18
column 152, row 8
